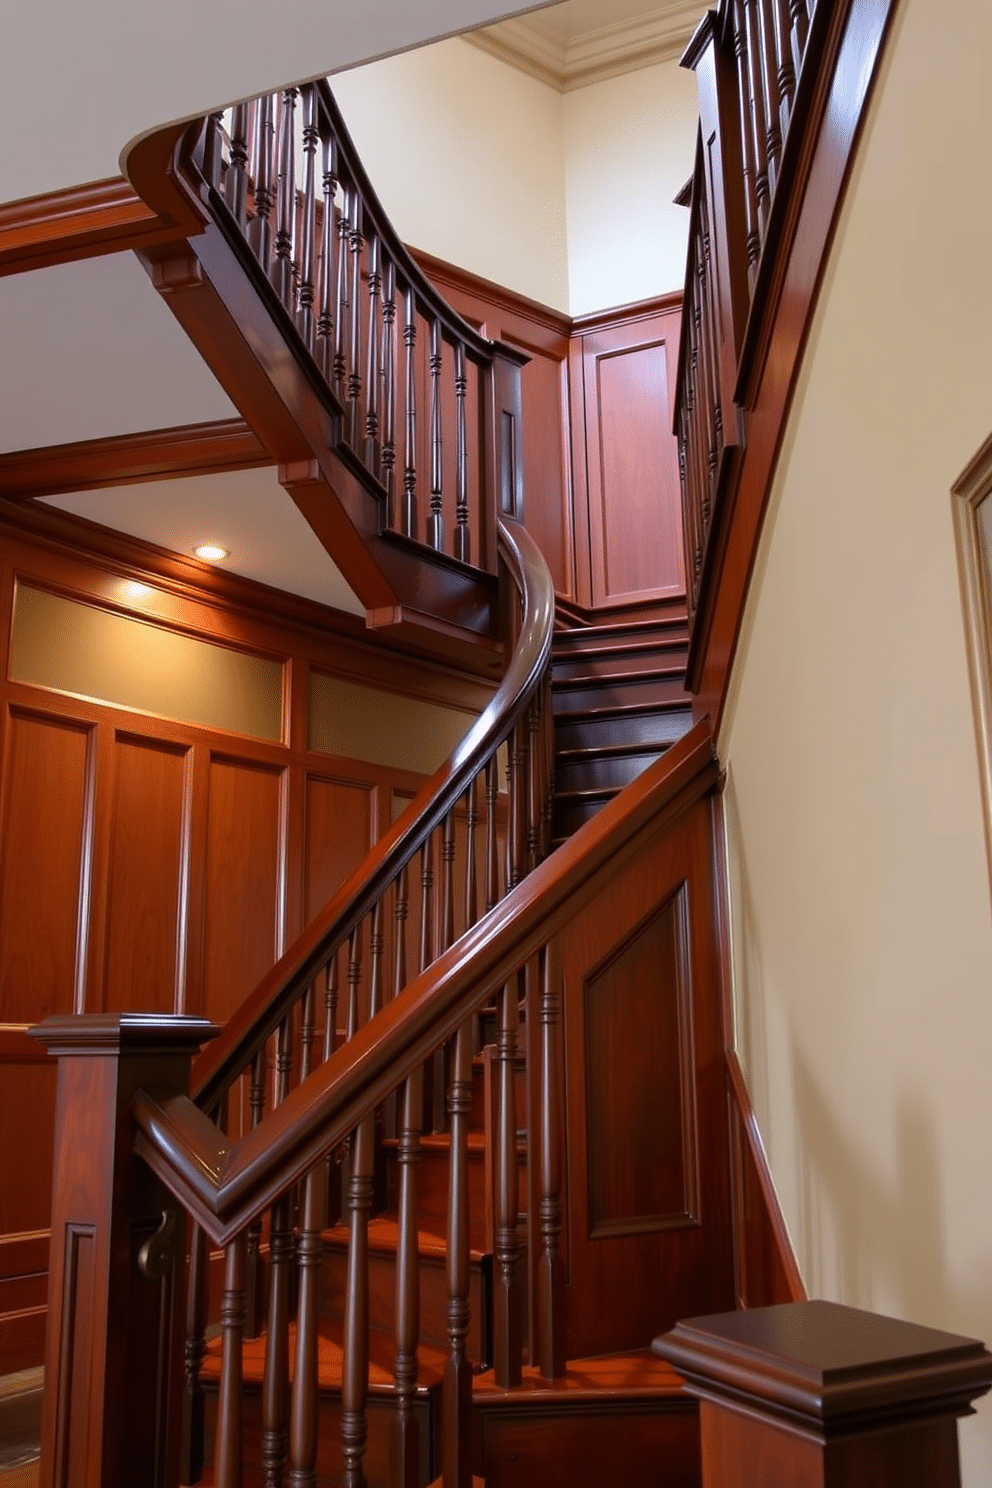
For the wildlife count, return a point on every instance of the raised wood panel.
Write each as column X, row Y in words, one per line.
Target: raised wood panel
column 640, row 1115
column 243, row 889
column 635, row 525
column 27, row 1124
column 47, row 809
column 145, row 908
column 628, row 1283
column 341, row 826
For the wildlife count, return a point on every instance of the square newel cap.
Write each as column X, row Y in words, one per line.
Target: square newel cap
column 826, row 1368
column 123, row 1033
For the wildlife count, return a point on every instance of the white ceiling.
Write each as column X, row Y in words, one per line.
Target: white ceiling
column 245, row 511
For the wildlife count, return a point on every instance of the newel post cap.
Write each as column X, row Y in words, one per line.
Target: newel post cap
column 112, row 1034
column 827, row 1368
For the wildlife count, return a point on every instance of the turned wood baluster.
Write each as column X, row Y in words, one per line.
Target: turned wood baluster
column 456, row 1411
column 355, row 1366
column 253, row 1265
column 516, row 844
column 550, row 1271
column 492, row 839
column 308, row 232
column 306, row 1382
column 377, row 945
column 799, row 12
column 236, row 180
column 194, row 1348
column 353, row 1017
column 355, row 245
column 786, row 63
column 535, row 807
column 282, row 272
column 308, row 1032
column 507, row 1298
column 463, row 538
column 770, row 86
column 227, row 1451
column 548, row 717
column 325, row 277
column 344, row 237
column 445, row 939
column 427, row 945
column 282, row 1252
column 756, row 113
column 405, row 1437
column 260, row 228
column 333, row 1199
column 372, row 379
column 401, row 907
column 435, row 524
column 408, row 515
column 706, row 391
column 747, row 141
column 388, row 455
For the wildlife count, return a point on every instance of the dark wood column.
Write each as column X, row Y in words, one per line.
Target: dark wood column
column 826, row 1396
column 112, row 1390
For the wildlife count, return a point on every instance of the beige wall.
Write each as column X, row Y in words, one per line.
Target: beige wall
column 629, row 147
column 565, row 198
column 863, row 942
column 467, row 157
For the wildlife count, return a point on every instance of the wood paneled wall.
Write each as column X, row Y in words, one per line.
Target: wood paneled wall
column 152, row 865
column 601, row 475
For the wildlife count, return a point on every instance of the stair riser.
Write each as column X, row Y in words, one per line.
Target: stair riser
column 647, row 693
column 433, row 1297
column 588, row 1447
column 603, row 771
column 650, row 729
column 330, row 1462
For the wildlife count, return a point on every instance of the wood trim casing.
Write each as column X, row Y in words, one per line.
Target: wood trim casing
column 780, row 324
column 76, row 222
column 155, row 454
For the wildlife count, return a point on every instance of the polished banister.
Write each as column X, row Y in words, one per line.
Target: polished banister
column 259, row 1015
column 227, row 1184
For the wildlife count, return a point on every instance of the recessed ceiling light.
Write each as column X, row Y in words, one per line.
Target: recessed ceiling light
column 211, row 552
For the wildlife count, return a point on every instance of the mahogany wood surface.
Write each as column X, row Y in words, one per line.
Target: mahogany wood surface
column 818, row 1393
column 192, row 449
column 823, row 140
column 176, row 862
column 96, row 217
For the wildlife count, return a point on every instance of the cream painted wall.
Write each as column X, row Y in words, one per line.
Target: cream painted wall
column 91, row 76
column 860, row 890
column 479, row 177
column 567, row 199
column 629, row 147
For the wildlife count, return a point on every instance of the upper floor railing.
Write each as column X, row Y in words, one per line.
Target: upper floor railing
column 404, row 373
column 758, row 65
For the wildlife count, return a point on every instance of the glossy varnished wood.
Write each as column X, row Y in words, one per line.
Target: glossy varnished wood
column 818, row 1393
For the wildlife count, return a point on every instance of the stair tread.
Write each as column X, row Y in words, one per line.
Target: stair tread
column 626, row 1376
column 384, row 1234
column 382, row 1350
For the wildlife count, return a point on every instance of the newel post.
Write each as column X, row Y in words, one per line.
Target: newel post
column 113, row 1358
column 826, row 1396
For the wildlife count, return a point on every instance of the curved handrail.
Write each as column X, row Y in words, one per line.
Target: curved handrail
column 226, row 1185
column 260, row 1014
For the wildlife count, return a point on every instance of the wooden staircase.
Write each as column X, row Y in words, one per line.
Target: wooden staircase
column 619, row 700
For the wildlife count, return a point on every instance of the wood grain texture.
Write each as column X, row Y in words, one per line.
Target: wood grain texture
column 125, row 459
column 96, row 217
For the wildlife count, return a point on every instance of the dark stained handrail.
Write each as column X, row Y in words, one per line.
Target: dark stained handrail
column 225, row 1185
column 260, row 1014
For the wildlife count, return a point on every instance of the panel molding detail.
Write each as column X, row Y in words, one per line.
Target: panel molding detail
column 640, row 1111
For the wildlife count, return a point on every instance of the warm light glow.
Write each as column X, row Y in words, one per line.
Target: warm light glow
column 211, row 552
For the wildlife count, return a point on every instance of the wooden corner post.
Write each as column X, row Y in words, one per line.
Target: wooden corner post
column 113, row 1359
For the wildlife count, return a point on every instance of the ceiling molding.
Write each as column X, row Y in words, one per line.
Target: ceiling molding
column 591, row 56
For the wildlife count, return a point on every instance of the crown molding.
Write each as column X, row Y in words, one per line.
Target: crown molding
column 609, row 51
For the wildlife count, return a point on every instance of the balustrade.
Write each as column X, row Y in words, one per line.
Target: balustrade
column 284, row 178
